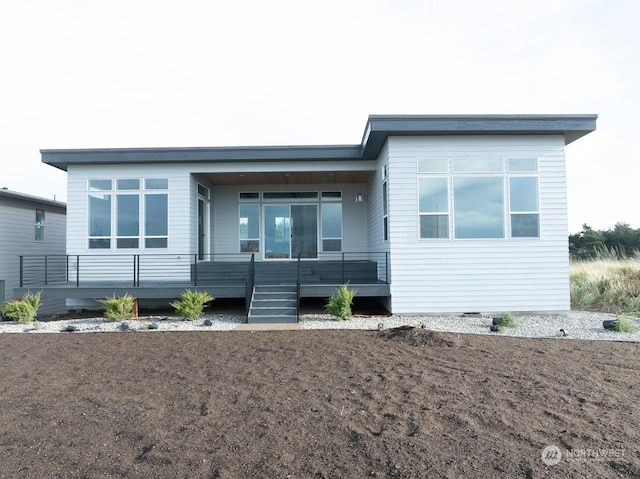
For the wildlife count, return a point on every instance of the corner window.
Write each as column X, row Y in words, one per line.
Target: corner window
column 39, row 224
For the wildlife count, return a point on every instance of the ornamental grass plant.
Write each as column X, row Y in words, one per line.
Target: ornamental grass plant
column 23, row 310
column 606, row 285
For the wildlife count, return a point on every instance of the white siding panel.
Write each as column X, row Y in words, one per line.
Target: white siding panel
column 455, row 276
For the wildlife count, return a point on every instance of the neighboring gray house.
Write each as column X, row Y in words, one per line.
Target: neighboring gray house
column 29, row 225
column 428, row 214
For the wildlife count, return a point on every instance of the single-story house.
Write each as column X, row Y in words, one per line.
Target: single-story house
column 29, row 226
column 428, row 214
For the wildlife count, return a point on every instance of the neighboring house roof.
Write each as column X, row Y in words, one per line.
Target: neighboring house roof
column 14, row 195
column 377, row 130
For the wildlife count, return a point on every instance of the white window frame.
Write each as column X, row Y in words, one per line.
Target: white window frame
column 142, row 191
column 506, row 174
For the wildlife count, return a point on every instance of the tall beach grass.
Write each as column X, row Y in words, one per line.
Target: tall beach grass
column 606, row 284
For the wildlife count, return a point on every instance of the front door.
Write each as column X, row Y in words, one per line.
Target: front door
column 290, row 230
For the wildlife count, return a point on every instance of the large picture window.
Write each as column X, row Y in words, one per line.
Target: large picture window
column 129, row 216
column 478, row 207
column 480, row 198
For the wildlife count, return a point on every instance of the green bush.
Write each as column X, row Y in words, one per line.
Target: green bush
column 191, row 304
column 22, row 310
column 507, row 320
column 624, row 325
column 118, row 308
column 339, row 305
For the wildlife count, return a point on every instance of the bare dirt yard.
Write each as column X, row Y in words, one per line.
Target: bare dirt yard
column 405, row 403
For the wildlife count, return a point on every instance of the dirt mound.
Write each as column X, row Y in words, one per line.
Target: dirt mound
column 418, row 337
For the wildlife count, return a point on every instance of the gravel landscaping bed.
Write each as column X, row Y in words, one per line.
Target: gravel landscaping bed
column 575, row 324
column 149, row 323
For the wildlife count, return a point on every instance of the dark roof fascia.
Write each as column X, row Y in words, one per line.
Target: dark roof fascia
column 380, row 127
column 63, row 158
column 14, row 195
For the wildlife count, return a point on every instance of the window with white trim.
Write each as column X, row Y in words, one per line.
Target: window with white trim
column 385, row 204
column 331, row 220
column 249, row 224
column 128, row 213
column 523, row 206
column 479, row 198
column 434, row 207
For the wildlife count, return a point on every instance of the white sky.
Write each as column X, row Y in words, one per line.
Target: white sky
column 101, row 74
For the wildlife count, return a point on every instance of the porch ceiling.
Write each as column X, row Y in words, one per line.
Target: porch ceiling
column 288, row 178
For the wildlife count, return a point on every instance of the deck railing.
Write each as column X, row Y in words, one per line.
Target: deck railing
column 298, row 288
column 139, row 269
column 250, row 282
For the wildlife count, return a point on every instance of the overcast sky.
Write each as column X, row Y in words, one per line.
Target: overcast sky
column 100, row 74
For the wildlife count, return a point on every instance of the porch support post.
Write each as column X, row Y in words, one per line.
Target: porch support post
column 386, row 254
column 195, row 270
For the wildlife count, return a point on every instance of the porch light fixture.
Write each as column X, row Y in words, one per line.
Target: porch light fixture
column 359, row 198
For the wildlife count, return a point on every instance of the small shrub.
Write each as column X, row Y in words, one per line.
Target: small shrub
column 507, row 320
column 339, row 305
column 624, row 325
column 118, row 308
column 22, row 310
column 191, row 304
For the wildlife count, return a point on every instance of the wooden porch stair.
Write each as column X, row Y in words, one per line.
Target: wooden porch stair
column 274, row 304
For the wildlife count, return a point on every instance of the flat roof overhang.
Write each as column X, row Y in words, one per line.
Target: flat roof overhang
column 378, row 129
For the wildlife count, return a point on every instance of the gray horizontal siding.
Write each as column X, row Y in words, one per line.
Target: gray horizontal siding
column 17, row 238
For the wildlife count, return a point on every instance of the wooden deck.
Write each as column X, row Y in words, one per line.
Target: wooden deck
column 228, row 280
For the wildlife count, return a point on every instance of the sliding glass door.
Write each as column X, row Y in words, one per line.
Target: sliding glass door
column 304, row 231
column 290, row 230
